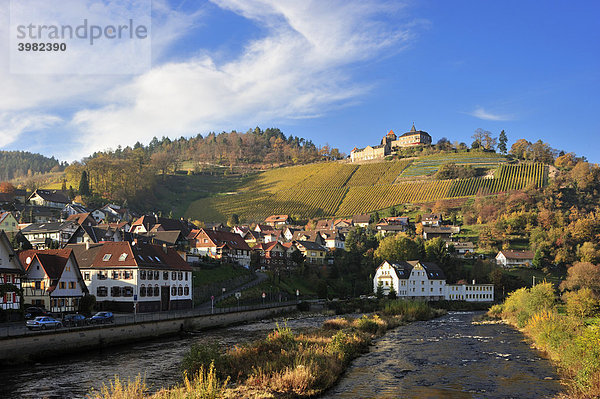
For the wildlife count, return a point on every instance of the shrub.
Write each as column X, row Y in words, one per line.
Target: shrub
column 201, row 357
column 366, row 324
column 581, row 303
column 495, row 311
column 117, row 389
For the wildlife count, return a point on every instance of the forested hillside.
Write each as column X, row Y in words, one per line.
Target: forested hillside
column 14, row 164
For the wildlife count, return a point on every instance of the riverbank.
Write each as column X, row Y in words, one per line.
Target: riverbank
column 570, row 338
column 283, row 365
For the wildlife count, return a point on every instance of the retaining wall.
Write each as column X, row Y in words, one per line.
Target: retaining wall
column 35, row 346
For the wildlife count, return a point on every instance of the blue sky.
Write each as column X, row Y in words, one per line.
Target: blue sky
column 336, row 72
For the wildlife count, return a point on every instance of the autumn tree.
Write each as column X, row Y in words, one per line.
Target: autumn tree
column 7, row 188
column 582, row 275
column 520, row 148
column 399, row 247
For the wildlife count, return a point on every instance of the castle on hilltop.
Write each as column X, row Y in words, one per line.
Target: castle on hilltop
column 390, row 143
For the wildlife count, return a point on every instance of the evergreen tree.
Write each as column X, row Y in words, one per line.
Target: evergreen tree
column 84, row 184
column 502, row 140
column 392, row 294
column 380, row 289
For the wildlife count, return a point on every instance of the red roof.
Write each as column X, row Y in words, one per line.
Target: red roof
column 391, row 133
column 123, row 254
column 224, row 238
column 52, row 260
column 511, row 254
column 276, row 218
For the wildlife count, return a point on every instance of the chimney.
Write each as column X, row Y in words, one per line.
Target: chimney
column 87, row 245
column 473, row 282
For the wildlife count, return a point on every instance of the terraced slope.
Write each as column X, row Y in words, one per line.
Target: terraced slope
column 338, row 189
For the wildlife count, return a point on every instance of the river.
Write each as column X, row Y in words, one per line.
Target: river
column 447, row 357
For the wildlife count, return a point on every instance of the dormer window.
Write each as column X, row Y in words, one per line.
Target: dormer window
column 122, row 257
column 106, row 257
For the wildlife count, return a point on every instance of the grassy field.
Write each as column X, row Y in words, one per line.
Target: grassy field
column 221, row 272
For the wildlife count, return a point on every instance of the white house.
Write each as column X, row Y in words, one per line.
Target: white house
column 510, row 258
column 124, row 275
column 411, row 280
column 11, row 273
column 50, row 198
column 53, row 280
column 425, row 280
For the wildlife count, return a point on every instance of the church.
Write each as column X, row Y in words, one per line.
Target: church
column 391, row 143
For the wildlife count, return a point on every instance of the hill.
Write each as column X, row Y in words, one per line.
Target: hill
column 342, row 189
column 15, row 164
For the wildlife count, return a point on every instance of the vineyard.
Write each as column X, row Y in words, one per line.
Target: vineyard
column 339, row 189
column 429, row 165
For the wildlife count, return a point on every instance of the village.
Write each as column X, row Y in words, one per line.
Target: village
column 145, row 263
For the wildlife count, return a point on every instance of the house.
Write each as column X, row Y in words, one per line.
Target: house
column 445, row 232
column 288, row 233
column 470, row 292
column 8, row 222
column 431, row 219
column 114, row 213
column 278, row 220
column 49, row 198
column 275, row 235
column 333, row 239
column 411, row 280
column 512, row 258
column 324, row 224
column 253, row 237
column 73, row 209
column 38, row 214
column 392, row 225
column 368, row 153
column 220, row 245
column 20, row 195
column 172, row 239
column 271, row 255
column 124, row 276
column 340, row 224
column 148, row 223
column 82, row 219
column 313, row 236
column 361, row 220
column 241, row 230
column 263, row 228
column 11, row 276
column 462, row 248
column 94, row 234
column 45, row 235
column 315, row 253
column 391, row 143
column 53, row 280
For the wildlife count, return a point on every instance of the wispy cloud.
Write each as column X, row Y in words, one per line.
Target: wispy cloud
column 12, row 125
column 481, row 113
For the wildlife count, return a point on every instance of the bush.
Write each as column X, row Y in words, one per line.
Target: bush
column 581, row 303
column 366, row 324
column 201, row 357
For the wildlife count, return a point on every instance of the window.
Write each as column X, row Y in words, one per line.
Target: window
column 38, row 285
column 115, row 291
column 149, row 290
column 127, row 275
column 122, row 257
column 165, row 275
column 156, row 275
column 142, row 274
column 143, row 290
column 156, row 290
column 116, row 275
column 86, row 276
column 101, row 291
column 180, row 291
column 180, row 275
column 71, row 285
column 61, row 303
column 62, row 285
column 186, row 290
column 106, row 257
column 173, row 291
column 128, row 291
column 186, row 276
column 173, row 275
column 150, row 275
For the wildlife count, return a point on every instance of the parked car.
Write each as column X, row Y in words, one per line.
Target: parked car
column 43, row 322
column 34, row 311
column 74, row 320
column 102, row 318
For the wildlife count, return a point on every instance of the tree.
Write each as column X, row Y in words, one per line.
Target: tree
column 233, row 220
column 84, row 184
column 502, row 140
column 581, row 303
column 520, row 148
column 398, row 248
column 483, row 139
column 392, row 292
column 582, row 275
column 7, row 188
column 379, row 291
column 86, row 304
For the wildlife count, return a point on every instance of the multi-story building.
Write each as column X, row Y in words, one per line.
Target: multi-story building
column 53, row 280
column 390, row 143
column 49, row 198
column 126, row 276
column 512, row 258
column 220, row 245
column 8, row 223
column 426, row 280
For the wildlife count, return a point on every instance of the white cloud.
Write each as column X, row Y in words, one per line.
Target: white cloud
column 298, row 70
column 481, row 113
column 12, row 126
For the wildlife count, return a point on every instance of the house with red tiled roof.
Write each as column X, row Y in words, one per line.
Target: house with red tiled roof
column 11, row 275
column 222, row 245
column 53, row 281
column 82, row 219
column 272, row 254
column 124, row 275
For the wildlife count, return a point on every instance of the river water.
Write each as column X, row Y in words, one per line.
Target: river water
column 447, row 357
